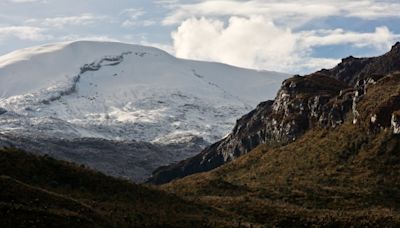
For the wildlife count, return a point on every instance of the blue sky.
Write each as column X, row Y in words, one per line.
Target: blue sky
column 282, row 35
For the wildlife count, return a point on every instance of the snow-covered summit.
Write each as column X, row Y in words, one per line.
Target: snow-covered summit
column 31, row 69
column 121, row 91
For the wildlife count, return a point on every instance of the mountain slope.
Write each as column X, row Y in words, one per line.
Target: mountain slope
column 121, row 91
column 124, row 96
column 126, row 159
column 322, row 99
column 347, row 175
column 42, row 192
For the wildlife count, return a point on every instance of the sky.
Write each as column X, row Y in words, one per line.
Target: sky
column 293, row 36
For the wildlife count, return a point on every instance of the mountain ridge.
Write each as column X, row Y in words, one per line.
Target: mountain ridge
column 341, row 176
column 324, row 98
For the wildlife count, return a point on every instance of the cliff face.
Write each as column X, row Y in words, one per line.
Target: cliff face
column 323, row 99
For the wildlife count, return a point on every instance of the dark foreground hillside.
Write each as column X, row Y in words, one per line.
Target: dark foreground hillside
column 43, row 192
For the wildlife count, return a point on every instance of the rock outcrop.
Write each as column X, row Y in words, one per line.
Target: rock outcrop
column 395, row 122
column 322, row 99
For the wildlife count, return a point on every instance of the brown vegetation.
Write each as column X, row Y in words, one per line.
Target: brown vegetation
column 43, row 192
column 329, row 177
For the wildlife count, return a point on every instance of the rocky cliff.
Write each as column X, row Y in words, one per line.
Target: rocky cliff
column 323, row 99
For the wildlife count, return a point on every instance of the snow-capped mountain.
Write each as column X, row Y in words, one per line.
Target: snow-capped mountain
column 120, row 92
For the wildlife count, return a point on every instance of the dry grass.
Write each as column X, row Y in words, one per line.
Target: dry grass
column 337, row 177
column 43, row 192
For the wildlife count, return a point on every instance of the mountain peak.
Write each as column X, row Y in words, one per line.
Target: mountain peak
column 396, row 47
column 122, row 92
column 102, row 76
column 348, row 59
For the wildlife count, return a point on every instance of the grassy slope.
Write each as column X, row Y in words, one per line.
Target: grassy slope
column 328, row 177
column 41, row 191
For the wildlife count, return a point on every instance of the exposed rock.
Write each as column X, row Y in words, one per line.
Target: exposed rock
column 395, row 122
column 301, row 103
column 106, row 61
column 322, row 99
column 356, row 114
column 382, row 116
column 373, row 119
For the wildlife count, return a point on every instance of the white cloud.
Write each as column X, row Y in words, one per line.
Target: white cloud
column 75, row 37
column 370, row 10
column 257, row 42
column 269, row 35
column 24, row 1
column 293, row 13
column 61, row 22
column 310, row 64
column 166, row 2
column 147, row 23
column 133, row 16
column 23, row 33
column 252, row 43
column 129, row 23
column 134, row 23
column 164, row 47
column 133, row 13
column 381, row 38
